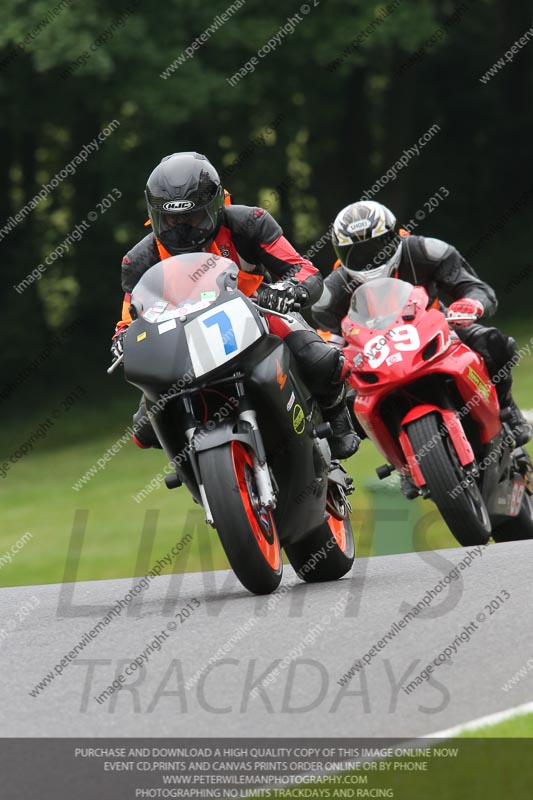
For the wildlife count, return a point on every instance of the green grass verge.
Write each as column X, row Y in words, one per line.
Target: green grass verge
column 520, row 727
column 491, row 763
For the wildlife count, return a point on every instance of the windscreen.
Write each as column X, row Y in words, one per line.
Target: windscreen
column 378, row 303
column 179, row 285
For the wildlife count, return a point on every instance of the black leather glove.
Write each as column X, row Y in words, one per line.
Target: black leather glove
column 282, row 297
column 117, row 344
column 302, row 295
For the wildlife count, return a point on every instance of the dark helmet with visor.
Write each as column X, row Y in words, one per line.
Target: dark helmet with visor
column 365, row 240
column 185, row 202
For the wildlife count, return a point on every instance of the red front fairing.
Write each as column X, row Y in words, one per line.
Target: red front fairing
column 395, row 354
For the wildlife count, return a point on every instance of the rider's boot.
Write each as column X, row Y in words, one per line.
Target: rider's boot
column 519, row 425
column 351, row 394
column 325, row 370
column 344, row 441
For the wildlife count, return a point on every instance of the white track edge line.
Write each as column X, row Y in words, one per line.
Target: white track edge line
column 481, row 722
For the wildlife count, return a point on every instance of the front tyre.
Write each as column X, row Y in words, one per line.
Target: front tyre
column 326, row 554
column 246, row 529
column 460, row 504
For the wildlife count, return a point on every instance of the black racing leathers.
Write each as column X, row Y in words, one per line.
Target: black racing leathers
column 441, row 270
column 430, row 263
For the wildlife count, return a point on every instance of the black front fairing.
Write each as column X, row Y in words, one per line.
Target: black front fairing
column 191, row 324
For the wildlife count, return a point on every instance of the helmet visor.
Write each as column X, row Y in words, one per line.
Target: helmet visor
column 186, row 231
column 368, row 254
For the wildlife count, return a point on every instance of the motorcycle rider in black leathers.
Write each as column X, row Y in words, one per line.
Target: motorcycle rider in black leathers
column 369, row 245
column 189, row 212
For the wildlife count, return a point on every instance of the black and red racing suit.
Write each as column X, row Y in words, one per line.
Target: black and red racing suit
column 251, row 238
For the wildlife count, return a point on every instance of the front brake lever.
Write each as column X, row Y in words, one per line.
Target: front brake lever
column 274, row 313
column 462, row 318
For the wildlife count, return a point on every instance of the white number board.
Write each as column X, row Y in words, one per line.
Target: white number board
column 221, row 334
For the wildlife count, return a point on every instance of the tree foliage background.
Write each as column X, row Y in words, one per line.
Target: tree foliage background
column 339, row 130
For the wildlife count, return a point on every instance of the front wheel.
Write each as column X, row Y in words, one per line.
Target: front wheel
column 246, row 529
column 460, row 503
column 326, row 554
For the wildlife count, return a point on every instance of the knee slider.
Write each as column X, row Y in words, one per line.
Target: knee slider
column 502, row 349
column 492, row 345
column 316, row 356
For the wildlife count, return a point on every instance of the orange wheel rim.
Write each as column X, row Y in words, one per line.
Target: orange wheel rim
column 338, row 530
column 260, row 520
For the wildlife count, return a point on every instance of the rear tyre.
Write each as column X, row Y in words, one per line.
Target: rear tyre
column 462, row 508
column 246, row 529
column 326, row 554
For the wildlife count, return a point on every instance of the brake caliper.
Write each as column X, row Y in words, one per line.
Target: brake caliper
column 340, row 485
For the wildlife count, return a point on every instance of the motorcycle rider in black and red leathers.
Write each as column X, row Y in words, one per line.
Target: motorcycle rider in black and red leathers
column 369, row 245
column 188, row 211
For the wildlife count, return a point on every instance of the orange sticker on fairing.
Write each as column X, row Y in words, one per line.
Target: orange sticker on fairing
column 280, row 377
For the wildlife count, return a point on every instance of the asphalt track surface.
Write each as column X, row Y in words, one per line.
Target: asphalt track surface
column 304, row 699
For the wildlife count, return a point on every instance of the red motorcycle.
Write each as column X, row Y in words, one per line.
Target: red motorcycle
column 427, row 402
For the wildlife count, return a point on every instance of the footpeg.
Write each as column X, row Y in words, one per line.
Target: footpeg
column 323, row 431
column 172, row 482
column 384, row 471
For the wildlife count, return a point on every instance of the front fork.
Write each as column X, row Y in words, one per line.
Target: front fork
column 189, row 433
column 265, row 489
column 263, row 479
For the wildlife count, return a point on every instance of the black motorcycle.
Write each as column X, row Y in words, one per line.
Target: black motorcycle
column 237, row 423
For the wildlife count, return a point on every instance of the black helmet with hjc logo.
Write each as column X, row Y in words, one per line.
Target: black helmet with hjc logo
column 185, row 202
